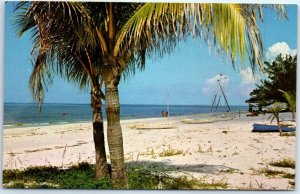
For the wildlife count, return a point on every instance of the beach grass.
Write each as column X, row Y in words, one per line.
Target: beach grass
column 289, row 176
column 274, row 173
column 285, row 163
column 81, row 176
column 170, row 152
column 289, row 134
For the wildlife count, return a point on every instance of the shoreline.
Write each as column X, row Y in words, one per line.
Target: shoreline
column 25, row 125
column 225, row 149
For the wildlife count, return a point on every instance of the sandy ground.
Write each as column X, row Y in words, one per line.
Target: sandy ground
column 220, row 151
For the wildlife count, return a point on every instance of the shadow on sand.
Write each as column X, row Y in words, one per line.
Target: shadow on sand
column 165, row 166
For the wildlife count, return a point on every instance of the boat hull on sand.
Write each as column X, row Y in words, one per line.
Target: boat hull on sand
column 153, row 126
column 270, row 128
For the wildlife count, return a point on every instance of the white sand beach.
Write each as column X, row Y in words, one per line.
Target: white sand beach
column 224, row 150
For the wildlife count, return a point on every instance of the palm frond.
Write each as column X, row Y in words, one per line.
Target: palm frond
column 40, row 78
column 280, row 9
column 231, row 28
column 290, row 98
column 56, row 28
column 277, row 107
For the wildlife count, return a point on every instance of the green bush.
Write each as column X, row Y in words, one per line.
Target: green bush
column 17, row 184
column 82, row 176
column 76, row 177
column 140, row 178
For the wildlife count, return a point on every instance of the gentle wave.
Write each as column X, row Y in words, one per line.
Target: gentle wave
column 33, row 124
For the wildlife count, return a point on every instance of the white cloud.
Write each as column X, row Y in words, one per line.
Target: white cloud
column 212, row 85
column 247, row 75
column 279, row 48
column 247, row 83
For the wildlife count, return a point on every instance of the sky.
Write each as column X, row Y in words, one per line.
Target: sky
column 188, row 76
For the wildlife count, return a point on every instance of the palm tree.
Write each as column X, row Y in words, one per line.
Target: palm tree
column 74, row 65
column 275, row 109
column 291, row 100
column 121, row 35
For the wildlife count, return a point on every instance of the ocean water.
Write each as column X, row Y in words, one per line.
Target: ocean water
column 19, row 114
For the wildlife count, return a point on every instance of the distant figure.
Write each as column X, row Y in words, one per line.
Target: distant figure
column 162, row 113
column 250, row 108
column 167, row 114
column 260, row 108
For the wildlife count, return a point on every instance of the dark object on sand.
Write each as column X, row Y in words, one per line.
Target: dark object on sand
column 163, row 113
column 270, row 128
column 252, row 114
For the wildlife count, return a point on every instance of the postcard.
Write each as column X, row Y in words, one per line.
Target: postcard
column 149, row 95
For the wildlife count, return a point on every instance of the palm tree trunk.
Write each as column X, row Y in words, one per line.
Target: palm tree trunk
column 98, row 134
column 114, row 134
column 279, row 127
